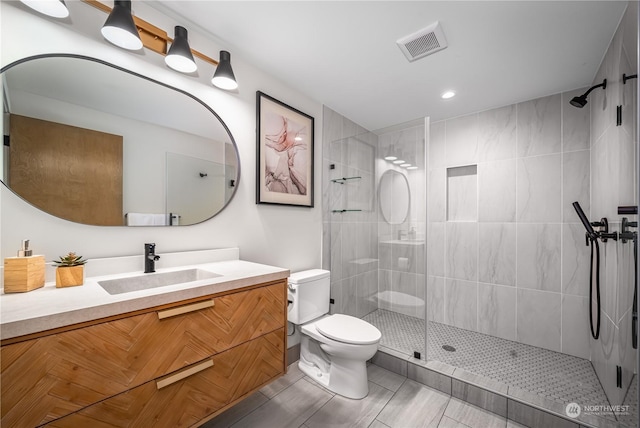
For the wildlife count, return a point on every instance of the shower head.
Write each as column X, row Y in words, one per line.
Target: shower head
column 578, row 101
column 581, row 101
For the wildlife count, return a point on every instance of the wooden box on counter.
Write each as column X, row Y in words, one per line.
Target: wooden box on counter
column 23, row 273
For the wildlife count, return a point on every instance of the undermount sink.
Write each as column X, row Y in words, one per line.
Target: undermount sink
column 154, row 280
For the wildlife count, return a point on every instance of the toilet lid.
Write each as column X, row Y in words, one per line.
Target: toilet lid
column 348, row 329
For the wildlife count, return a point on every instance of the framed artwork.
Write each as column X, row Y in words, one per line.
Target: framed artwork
column 284, row 154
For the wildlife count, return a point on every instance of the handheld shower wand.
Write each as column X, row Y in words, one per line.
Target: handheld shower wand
column 583, row 218
column 592, row 239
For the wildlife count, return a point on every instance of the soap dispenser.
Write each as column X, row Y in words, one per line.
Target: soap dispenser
column 412, row 233
column 24, row 272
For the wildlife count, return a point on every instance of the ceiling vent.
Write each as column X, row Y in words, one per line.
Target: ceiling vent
column 423, row 42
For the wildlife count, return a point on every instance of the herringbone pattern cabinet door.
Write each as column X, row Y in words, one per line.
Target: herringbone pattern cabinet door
column 186, row 402
column 47, row 378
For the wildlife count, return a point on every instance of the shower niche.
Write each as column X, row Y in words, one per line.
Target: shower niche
column 462, row 193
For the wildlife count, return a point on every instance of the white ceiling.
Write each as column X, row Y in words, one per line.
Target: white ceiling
column 343, row 53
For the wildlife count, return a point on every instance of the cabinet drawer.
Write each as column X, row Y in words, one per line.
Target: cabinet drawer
column 186, row 402
column 49, row 377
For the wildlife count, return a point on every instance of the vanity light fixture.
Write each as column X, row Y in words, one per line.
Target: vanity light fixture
column 224, row 78
column 52, row 8
column 179, row 56
column 390, row 158
column 126, row 31
column 398, row 162
column 447, row 95
column 119, row 27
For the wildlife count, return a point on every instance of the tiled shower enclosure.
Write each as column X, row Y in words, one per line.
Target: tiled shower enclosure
column 474, row 256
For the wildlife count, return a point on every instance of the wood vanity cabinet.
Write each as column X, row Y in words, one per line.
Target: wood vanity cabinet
column 175, row 365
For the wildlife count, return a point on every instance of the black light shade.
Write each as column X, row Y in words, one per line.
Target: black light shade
column 179, row 56
column 224, row 78
column 119, row 27
column 53, row 8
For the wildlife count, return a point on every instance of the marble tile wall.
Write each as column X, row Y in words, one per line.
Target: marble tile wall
column 613, row 177
column 350, row 239
column 402, row 246
column 519, row 271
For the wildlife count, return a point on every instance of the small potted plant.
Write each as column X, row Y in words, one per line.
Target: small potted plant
column 70, row 270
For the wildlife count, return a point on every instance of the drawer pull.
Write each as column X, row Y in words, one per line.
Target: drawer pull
column 185, row 309
column 168, row 380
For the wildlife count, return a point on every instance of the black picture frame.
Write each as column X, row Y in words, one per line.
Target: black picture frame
column 284, row 153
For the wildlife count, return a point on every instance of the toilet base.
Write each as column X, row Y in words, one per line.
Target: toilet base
column 315, row 373
column 347, row 378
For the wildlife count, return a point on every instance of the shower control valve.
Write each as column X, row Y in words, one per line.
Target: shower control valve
column 625, row 233
column 603, row 230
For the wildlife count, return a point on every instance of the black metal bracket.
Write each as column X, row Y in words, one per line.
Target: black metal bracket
column 343, row 180
column 618, row 376
column 628, row 210
column 625, row 78
column 618, row 115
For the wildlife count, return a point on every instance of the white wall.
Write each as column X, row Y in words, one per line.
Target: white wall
column 284, row 236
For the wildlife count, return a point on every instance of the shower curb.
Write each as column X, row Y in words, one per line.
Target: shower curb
column 513, row 403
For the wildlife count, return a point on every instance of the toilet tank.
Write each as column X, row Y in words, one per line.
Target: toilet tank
column 309, row 291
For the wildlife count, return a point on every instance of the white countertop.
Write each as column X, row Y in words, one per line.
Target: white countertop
column 50, row 307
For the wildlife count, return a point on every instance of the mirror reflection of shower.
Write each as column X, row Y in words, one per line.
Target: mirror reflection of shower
column 394, row 196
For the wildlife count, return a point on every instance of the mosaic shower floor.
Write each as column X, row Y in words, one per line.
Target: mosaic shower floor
column 553, row 375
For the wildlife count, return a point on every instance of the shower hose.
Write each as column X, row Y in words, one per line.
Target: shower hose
column 595, row 332
column 634, row 313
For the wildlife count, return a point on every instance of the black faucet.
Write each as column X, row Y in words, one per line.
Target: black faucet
column 150, row 258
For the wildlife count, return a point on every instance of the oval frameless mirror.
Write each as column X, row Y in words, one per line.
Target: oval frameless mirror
column 394, row 197
column 93, row 143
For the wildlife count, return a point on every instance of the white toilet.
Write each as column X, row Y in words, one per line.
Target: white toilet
column 334, row 348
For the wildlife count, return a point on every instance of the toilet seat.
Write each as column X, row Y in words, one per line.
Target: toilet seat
column 348, row 329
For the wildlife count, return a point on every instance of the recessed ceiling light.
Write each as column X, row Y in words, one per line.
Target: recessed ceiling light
column 398, row 162
column 412, row 167
column 298, row 138
column 405, row 165
column 390, row 158
column 448, row 94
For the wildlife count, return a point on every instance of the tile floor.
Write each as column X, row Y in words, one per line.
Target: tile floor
column 393, row 401
column 558, row 377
